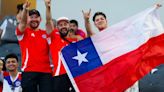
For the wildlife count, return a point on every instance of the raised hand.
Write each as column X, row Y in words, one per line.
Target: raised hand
column 26, row 5
column 47, row 3
column 158, row 5
column 86, row 15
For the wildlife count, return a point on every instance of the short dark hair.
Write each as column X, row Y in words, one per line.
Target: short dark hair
column 34, row 11
column 12, row 55
column 74, row 21
column 19, row 7
column 98, row 13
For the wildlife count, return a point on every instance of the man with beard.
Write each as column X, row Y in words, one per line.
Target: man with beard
column 36, row 70
column 59, row 39
column 76, row 30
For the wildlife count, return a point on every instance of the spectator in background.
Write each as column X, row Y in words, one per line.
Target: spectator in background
column 74, row 27
column 1, row 74
column 36, row 70
column 12, row 82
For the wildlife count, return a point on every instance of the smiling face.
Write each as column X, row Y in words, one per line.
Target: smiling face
column 11, row 64
column 63, row 27
column 74, row 27
column 34, row 21
column 100, row 22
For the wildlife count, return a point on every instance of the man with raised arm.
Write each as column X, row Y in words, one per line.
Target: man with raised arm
column 36, row 70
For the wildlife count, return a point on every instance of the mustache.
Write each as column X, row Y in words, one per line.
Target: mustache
column 34, row 21
column 64, row 29
column 63, row 34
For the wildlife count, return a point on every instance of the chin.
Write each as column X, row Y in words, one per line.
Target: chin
column 101, row 28
column 34, row 27
column 11, row 70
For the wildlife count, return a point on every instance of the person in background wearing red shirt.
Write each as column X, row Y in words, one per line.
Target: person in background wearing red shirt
column 74, row 26
column 36, row 70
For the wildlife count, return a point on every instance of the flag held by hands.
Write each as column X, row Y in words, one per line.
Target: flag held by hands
column 114, row 59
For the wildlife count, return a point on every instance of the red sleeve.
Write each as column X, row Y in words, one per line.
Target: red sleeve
column 5, row 73
column 54, row 33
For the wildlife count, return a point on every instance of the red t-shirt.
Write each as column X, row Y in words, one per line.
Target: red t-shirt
column 81, row 33
column 35, row 50
column 56, row 44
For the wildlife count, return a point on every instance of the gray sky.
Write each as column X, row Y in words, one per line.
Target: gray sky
column 115, row 10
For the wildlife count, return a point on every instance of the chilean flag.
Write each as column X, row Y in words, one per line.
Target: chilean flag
column 114, row 59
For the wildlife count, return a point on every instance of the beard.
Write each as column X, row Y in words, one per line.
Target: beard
column 34, row 24
column 63, row 32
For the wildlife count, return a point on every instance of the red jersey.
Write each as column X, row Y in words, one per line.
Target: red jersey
column 35, row 50
column 81, row 33
column 56, row 44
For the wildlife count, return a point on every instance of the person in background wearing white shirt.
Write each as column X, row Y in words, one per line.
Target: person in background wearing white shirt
column 12, row 82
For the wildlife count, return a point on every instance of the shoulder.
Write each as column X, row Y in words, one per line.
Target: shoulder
column 5, row 73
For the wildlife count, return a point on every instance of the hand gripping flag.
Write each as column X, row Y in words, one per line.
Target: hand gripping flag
column 114, row 59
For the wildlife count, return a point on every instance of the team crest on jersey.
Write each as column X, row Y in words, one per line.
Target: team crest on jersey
column 44, row 36
column 17, row 83
column 32, row 34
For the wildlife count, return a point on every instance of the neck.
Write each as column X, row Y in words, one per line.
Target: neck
column 36, row 29
column 102, row 28
column 13, row 74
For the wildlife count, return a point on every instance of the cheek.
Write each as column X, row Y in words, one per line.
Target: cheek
column 39, row 19
column 68, row 27
column 28, row 20
column 96, row 23
column 75, row 28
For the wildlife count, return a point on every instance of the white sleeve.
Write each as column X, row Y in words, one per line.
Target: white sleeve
column 133, row 88
column 6, row 87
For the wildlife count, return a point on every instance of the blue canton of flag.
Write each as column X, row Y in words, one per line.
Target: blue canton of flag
column 81, row 57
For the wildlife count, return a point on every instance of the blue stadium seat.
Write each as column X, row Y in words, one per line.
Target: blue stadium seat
column 153, row 82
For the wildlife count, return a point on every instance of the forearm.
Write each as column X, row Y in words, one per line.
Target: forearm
column 23, row 21
column 88, row 28
column 49, row 22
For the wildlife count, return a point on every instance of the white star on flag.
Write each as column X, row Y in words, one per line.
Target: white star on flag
column 80, row 57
